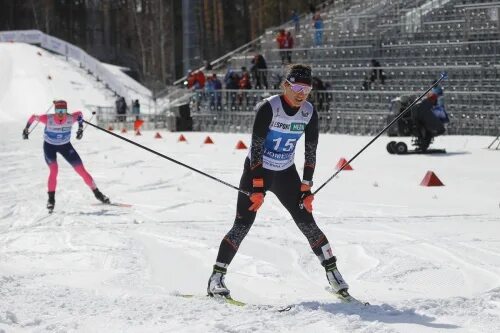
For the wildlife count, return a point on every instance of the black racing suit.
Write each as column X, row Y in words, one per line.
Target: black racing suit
column 285, row 184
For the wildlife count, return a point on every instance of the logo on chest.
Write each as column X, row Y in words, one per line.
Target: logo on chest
column 297, row 127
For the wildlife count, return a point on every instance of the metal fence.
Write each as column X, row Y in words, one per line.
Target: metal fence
column 348, row 112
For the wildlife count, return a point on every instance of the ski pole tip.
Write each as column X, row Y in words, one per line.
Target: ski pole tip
column 444, row 76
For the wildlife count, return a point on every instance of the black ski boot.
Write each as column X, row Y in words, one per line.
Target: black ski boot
column 101, row 197
column 52, row 201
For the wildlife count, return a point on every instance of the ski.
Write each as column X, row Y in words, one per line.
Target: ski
column 232, row 301
column 345, row 297
column 116, row 204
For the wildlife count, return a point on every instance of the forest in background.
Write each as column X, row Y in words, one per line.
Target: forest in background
column 147, row 36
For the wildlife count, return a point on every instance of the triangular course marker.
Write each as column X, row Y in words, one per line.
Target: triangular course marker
column 431, row 179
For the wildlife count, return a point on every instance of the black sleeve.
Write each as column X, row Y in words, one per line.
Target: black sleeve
column 311, row 143
column 261, row 124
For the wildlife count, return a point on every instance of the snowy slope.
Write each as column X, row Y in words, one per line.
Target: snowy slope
column 426, row 258
column 32, row 77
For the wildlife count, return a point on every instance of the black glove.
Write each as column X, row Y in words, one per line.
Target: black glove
column 79, row 134
column 25, row 134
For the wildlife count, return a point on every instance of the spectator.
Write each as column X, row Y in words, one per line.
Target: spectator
column 377, row 73
column 208, row 65
column 318, row 26
column 319, row 97
column 121, row 108
column 282, row 45
column 136, row 108
column 232, row 84
column 244, row 82
column 213, row 88
column 289, row 39
column 196, row 80
column 296, row 21
column 259, row 71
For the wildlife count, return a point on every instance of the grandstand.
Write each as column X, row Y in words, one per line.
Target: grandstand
column 414, row 41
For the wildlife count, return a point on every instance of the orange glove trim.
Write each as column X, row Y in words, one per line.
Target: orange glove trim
column 258, row 182
column 308, row 203
column 257, row 200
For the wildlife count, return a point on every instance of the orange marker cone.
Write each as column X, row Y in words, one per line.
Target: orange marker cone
column 431, row 179
column 208, row 140
column 181, row 138
column 341, row 162
column 158, row 135
column 241, row 145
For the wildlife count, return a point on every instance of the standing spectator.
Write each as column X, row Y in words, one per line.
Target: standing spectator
column 136, row 108
column 289, row 40
column 213, row 88
column 208, row 65
column 196, row 80
column 259, row 71
column 232, row 83
column 296, row 21
column 121, row 108
column 377, row 73
column 244, row 82
column 318, row 26
column 282, row 45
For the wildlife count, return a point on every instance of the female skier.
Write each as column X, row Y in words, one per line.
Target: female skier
column 57, row 135
column 279, row 123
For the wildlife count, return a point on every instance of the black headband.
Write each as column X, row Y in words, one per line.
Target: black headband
column 300, row 75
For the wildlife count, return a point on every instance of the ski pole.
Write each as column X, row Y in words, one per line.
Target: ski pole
column 443, row 76
column 491, row 144
column 169, row 158
column 86, row 125
column 50, row 107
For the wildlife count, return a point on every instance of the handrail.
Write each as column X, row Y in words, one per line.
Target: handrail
column 217, row 62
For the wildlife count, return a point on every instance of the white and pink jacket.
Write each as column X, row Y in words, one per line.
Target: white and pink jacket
column 57, row 131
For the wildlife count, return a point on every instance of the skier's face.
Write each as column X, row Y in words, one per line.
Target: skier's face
column 296, row 93
column 60, row 112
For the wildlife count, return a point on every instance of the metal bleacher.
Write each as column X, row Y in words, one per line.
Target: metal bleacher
column 413, row 40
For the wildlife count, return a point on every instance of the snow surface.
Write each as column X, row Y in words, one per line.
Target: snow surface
column 426, row 258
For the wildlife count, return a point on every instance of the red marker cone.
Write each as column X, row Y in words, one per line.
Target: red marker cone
column 181, row 138
column 208, row 140
column 110, row 128
column 341, row 162
column 124, row 130
column 138, row 133
column 431, row 179
column 241, row 145
column 158, row 135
